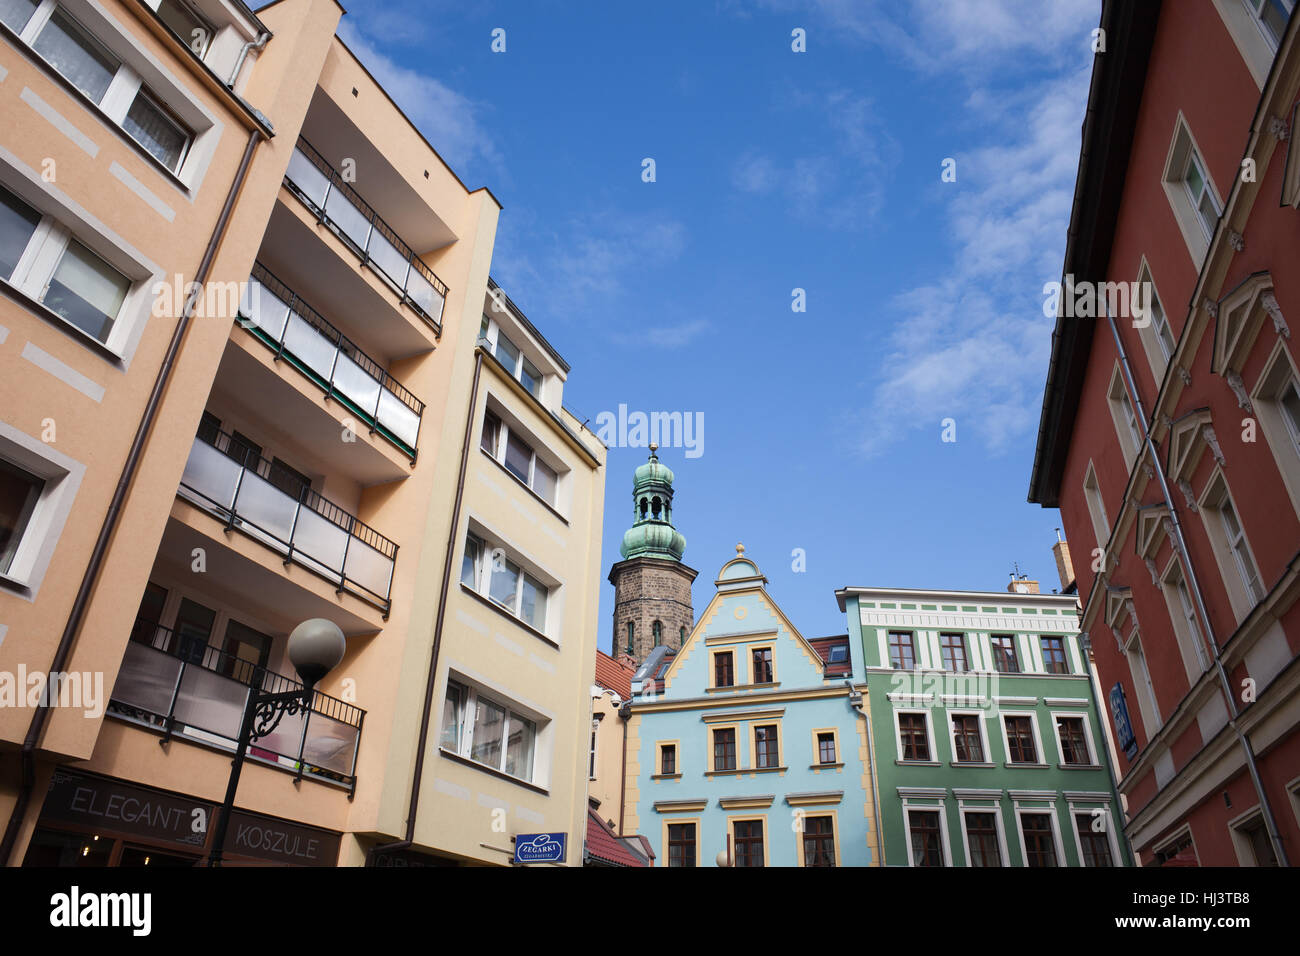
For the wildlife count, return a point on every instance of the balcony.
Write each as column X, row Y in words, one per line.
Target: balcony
column 298, row 333
column 183, row 687
column 249, row 494
column 336, row 204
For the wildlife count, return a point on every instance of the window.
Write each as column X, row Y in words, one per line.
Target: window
column 1096, row 507
column 914, row 735
column 517, row 364
column 20, row 490
column 1054, row 661
column 968, row 744
column 927, row 846
column 488, row 571
column 1186, row 626
column 1236, row 538
column 631, row 635
column 1236, row 564
column 88, row 65
column 1201, row 195
column 488, row 732
column 766, row 746
column 902, row 650
column 80, row 287
column 681, row 844
column 1040, row 844
column 724, row 749
column 953, row 648
column 518, row 457
column 1020, row 740
column 1094, row 843
column 244, row 652
column 839, row 654
column 1126, row 422
column 194, row 624
column 826, row 748
column 1190, row 192
column 1276, row 400
column 982, row 839
column 1272, row 16
column 1004, row 654
column 591, row 761
column 668, row 759
column 749, row 842
column 1257, row 844
column 1137, row 663
column 1074, row 741
column 658, row 631
column 818, row 841
column 723, row 675
column 1153, row 327
column 192, row 29
column 762, row 659
column 15, row 13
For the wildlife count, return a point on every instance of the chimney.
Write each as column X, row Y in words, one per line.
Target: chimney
column 1064, row 566
column 1023, row 586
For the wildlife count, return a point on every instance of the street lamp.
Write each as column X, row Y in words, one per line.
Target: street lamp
column 316, row 647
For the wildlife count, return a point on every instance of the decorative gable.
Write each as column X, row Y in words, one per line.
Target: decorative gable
column 1238, row 318
column 1151, row 521
column 1189, row 436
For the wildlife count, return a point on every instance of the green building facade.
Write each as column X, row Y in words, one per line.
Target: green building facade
column 986, row 744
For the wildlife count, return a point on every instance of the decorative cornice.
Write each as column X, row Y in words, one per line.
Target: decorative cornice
column 1212, row 440
column 820, row 798
column 1275, row 313
column 1189, row 497
column 1278, row 128
column 1238, row 387
column 1236, row 240
column 761, row 802
column 675, row 806
column 1155, row 577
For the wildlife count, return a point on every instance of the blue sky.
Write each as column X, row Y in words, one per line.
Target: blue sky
column 778, row 170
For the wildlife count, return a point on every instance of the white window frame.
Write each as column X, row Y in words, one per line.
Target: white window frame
column 465, row 745
column 1050, row 811
column 1236, row 559
column 1006, row 739
column 944, row 842
column 931, row 743
column 1124, row 415
column 489, row 546
column 1096, row 506
column 1250, row 37
column 62, row 476
column 984, row 738
column 493, row 334
column 1186, row 623
column 138, row 70
column 1140, row 672
column 505, row 430
column 1004, row 858
column 1093, row 757
column 1075, row 807
column 1241, row 844
column 1282, row 437
column 1155, row 318
column 1182, row 150
column 1065, row 649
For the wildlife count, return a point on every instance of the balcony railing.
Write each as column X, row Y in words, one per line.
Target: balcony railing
column 297, row 332
column 267, row 503
column 334, row 202
column 180, row 685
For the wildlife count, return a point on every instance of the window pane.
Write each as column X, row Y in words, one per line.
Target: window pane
column 519, row 750
column 1290, row 401
column 544, row 481
column 75, row 54
column 17, row 223
column 507, row 354
column 15, row 13
column 186, row 24
column 530, row 377
column 1195, row 181
column 452, row 710
column 518, row 456
column 152, row 128
column 19, row 492
column 505, row 583
column 470, row 562
column 533, row 606
column 87, row 291
column 491, row 431
column 489, row 726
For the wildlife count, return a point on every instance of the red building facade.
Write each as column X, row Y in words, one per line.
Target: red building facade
column 1170, row 434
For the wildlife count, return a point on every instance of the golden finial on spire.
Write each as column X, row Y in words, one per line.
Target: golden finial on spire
column 740, row 549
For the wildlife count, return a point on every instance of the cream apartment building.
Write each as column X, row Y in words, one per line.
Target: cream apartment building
column 186, row 478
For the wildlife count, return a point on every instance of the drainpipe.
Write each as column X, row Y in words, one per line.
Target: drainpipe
column 1085, row 644
column 1195, row 587
column 258, row 44
column 418, row 775
column 871, row 763
column 624, row 712
column 114, row 513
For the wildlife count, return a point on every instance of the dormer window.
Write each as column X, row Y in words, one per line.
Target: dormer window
column 524, row 371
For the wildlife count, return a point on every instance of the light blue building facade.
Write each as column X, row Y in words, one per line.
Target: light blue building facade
column 749, row 746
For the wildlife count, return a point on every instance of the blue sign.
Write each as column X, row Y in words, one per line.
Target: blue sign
column 1123, row 726
column 540, row 847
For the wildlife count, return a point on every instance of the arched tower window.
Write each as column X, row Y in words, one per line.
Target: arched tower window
column 631, row 633
column 683, row 638
column 644, row 507
column 659, row 635
column 656, row 507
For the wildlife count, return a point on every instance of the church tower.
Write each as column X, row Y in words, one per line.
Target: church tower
column 652, row 588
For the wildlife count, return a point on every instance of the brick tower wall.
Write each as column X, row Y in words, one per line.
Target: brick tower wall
column 648, row 590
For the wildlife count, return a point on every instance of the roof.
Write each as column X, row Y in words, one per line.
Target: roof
column 605, row 849
column 519, row 314
column 613, row 675
column 1114, row 99
column 823, row 645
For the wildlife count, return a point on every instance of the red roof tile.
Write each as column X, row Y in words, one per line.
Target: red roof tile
column 613, row 675
column 603, row 846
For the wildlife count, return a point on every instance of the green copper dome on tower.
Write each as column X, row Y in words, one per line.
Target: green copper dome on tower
column 652, row 534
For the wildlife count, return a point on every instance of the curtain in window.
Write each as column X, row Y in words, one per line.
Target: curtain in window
column 87, row 291
column 533, row 606
column 518, row 457
column 489, row 728
column 519, row 748
column 452, row 708
column 149, row 126
column 17, row 223
column 15, row 13
column 71, row 51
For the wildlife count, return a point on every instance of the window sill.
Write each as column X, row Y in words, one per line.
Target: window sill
column 15, row 584
column 970, row 763
column 517, row 480
column 506, row 614
column 61, row 324
column 1010, row 764
column 825, row 766
column 1079, row 766
column 917, row 763
column 665, row 776
column 734, row 687
column 728, row 773
column 450, row 755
